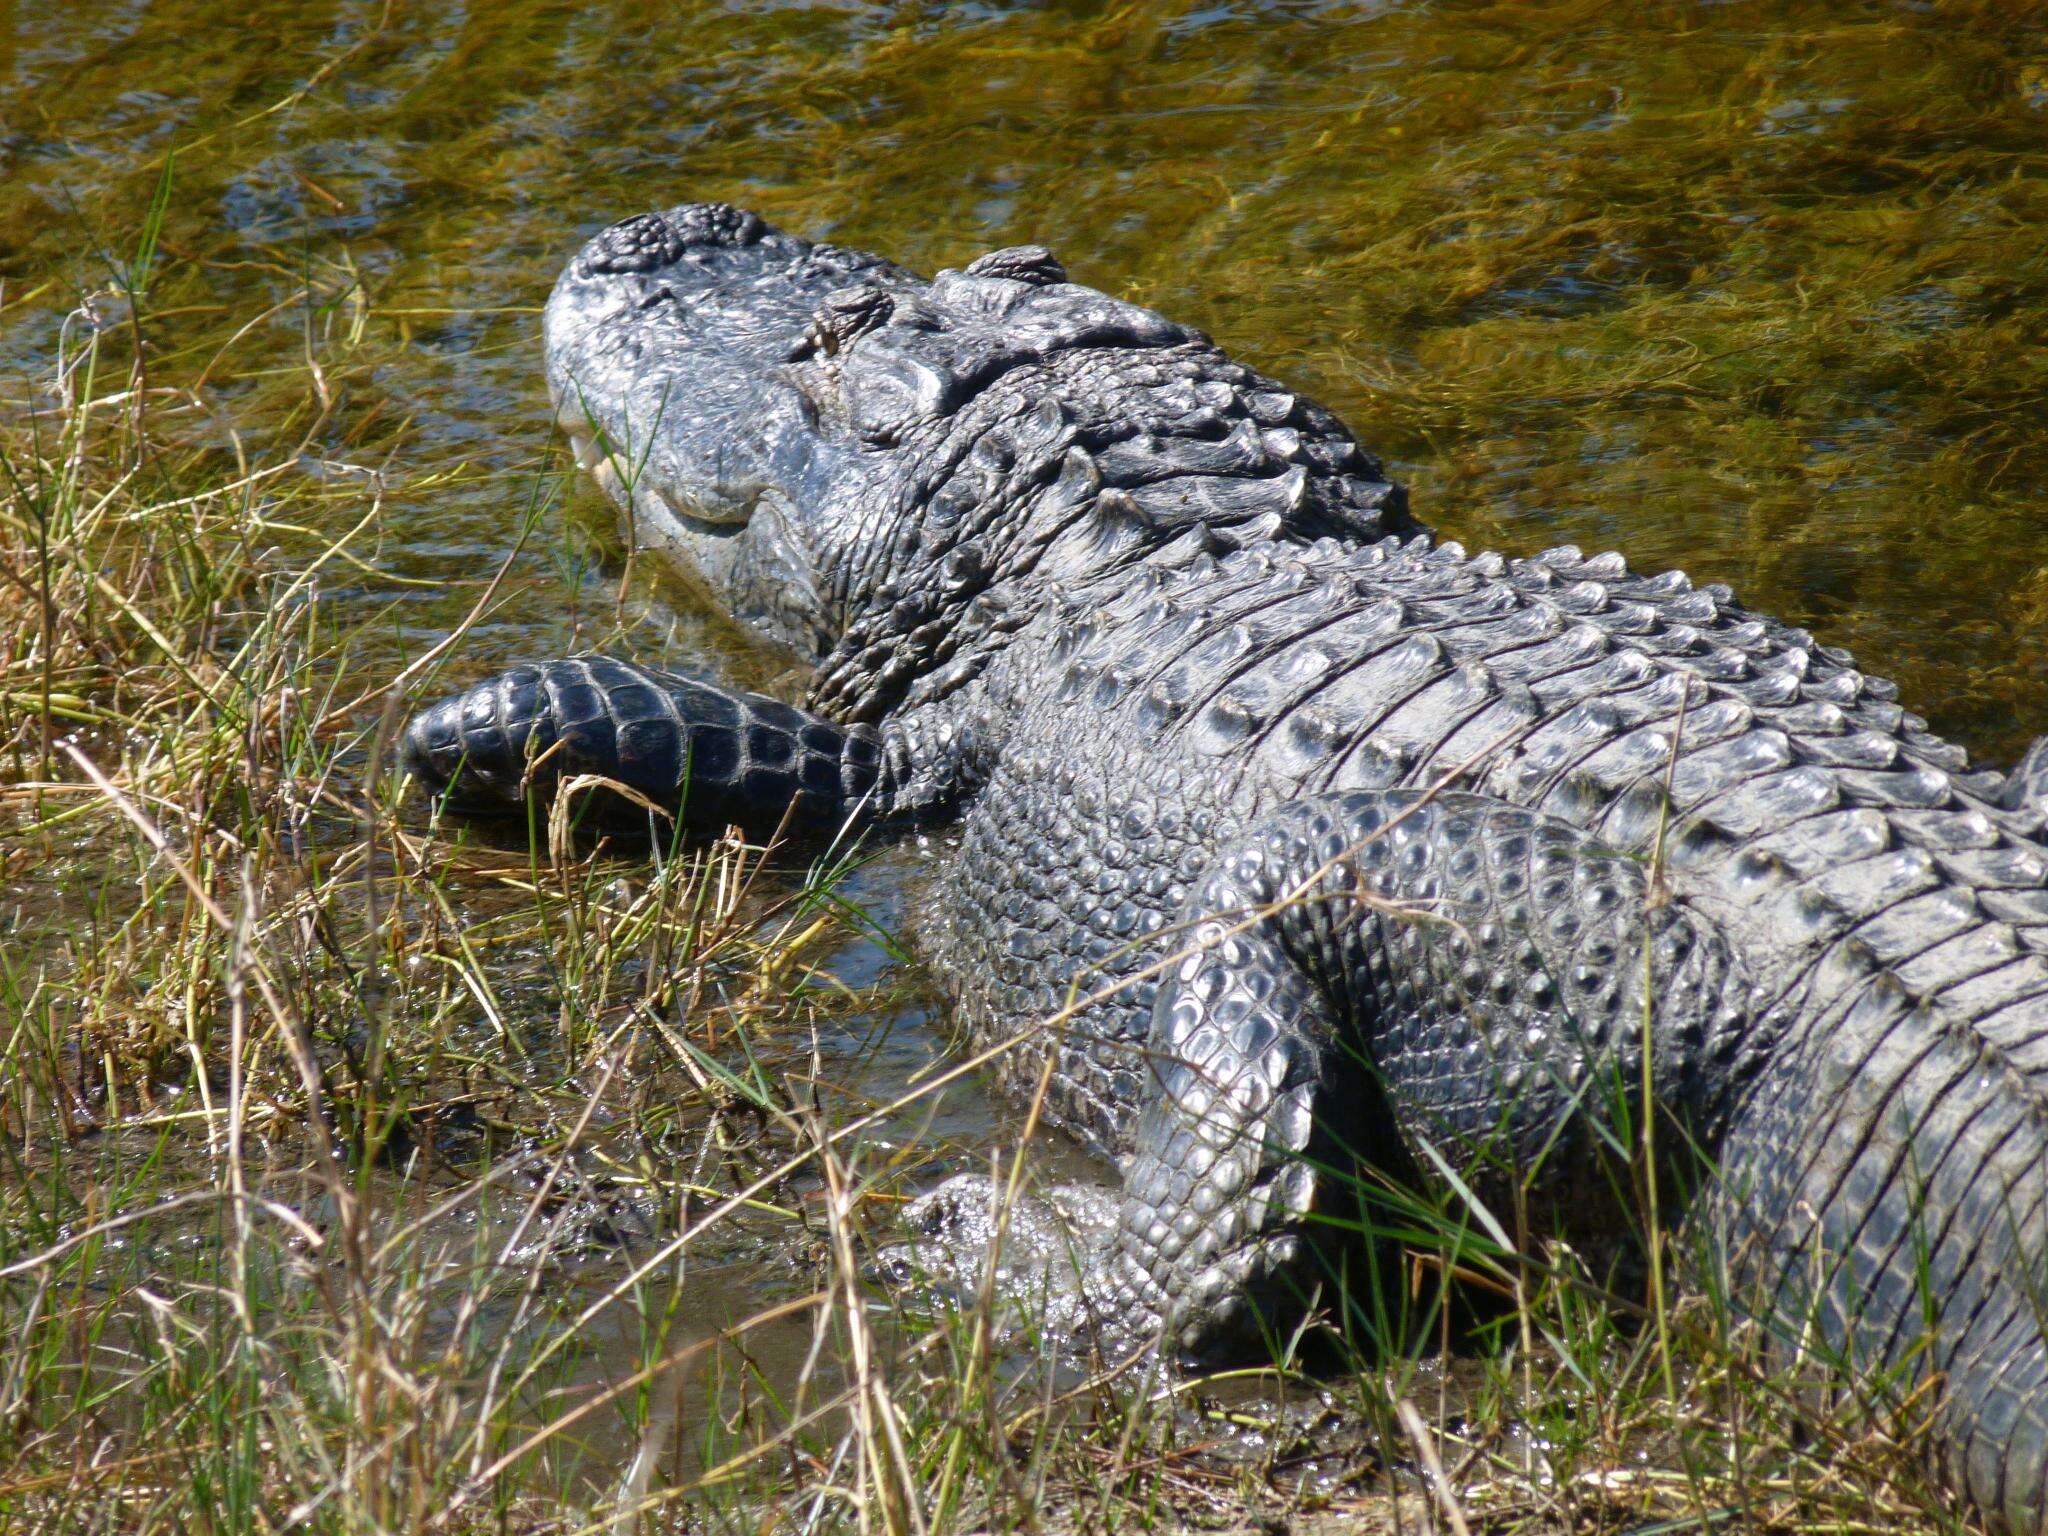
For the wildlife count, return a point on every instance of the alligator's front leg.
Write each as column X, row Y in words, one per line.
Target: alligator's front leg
column 1369, row 973
column 710, row 757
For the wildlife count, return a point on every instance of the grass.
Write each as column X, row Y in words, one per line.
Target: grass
column 363, row 1175
column 289, row 1147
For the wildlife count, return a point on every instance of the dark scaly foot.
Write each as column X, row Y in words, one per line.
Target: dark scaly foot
column 714, row 758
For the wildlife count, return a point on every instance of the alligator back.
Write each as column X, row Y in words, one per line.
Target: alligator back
column 1884, row 1145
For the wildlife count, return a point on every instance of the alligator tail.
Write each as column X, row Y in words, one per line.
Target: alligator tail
column 1882, row 1207
column 706, row 756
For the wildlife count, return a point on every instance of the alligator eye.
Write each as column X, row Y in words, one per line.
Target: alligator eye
column 844, row 315
column 639, row 244
column 1032, row 264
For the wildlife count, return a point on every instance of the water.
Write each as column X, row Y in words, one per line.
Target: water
column 1755, row 289
column 1758, row 290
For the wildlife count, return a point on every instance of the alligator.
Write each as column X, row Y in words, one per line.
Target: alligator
column 1311, row 843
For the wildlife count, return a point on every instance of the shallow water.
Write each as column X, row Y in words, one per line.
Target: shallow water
column 1755, row 289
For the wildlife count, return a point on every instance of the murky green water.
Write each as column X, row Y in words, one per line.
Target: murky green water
column 1760, row 290
column 1756, row 289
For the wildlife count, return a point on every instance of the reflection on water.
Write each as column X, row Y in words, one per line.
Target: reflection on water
column 1755, row 289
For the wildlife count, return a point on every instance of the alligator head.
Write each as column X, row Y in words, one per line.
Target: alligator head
column 866, row 465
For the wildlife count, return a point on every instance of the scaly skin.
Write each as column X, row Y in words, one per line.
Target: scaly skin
column 1353, row 846
column 749, row 761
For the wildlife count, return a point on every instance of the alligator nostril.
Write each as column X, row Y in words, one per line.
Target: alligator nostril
column 1032, row 264
column 650, row 240
column 639, row 244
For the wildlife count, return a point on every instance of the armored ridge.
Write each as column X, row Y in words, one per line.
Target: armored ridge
column 1366, row 849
